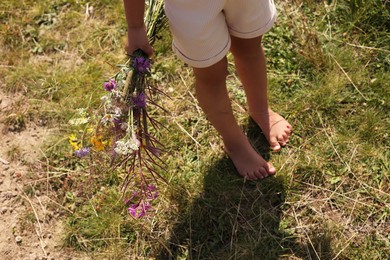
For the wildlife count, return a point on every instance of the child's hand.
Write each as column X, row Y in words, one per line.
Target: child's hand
column 137, row 39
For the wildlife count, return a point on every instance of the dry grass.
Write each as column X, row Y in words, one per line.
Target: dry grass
column 330, row 199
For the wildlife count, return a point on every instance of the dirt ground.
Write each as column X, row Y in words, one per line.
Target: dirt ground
column 31, row 223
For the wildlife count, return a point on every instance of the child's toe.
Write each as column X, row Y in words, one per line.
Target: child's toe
column 274, row 144
column 263, row 172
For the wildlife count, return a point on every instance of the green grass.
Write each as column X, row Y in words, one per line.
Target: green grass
column 329, row 76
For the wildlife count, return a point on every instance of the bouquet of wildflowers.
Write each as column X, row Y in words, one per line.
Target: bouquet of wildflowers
column 122, row 127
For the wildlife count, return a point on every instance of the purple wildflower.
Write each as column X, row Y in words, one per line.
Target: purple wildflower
column 154, row 150
column 134, row 195
column 133, row 210
column 146, row 206
column 139, row 210
column 152, row 196
column 117, row 121
column 139, row 100
column 110, row 85
column 141, row 64
column 82, row 152
column 141, row 213
column 117, row 124
column 151, row 187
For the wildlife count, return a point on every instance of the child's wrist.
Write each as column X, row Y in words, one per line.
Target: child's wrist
column 136, row 26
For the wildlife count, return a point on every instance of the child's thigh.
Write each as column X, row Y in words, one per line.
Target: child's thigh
column 200, row 33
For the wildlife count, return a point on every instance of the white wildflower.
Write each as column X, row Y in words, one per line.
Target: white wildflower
column 79, row 121
column 82, row 112
column 124, row 126
column 117, row 112
column 127, row 145
column 107, row 118
column 105, row 98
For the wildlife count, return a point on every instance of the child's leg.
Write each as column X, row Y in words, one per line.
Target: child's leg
column 213, row 98
column 251, row 67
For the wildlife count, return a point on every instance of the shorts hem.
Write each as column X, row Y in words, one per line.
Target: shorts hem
column 258, row 32
column 202, row 63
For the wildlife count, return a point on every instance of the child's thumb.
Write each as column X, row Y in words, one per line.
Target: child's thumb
column 148, row 49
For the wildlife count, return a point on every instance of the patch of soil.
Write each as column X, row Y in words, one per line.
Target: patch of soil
column 31, row 222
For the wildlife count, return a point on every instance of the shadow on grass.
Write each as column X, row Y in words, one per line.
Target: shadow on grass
column 233, row 219
column 230, row 219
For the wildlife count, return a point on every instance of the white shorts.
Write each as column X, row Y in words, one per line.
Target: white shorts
column 201, row 29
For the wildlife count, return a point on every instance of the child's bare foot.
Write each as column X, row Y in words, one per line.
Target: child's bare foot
column 247, row 161
column 275, row 128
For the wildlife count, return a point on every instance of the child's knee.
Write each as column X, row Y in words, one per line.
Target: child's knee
column 245, row 48
column 214, row 74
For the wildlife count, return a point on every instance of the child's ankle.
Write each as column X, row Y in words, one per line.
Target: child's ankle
column 233, row 143
column 261, row 112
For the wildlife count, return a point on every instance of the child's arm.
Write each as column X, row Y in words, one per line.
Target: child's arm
column 136, row 33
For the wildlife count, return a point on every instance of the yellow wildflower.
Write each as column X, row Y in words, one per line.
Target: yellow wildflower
column 74, row 142
column 97, row 142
